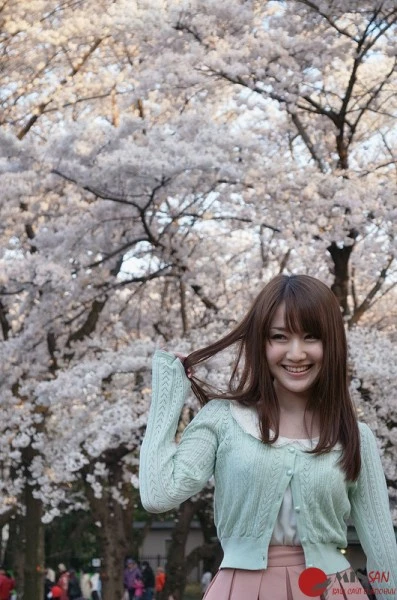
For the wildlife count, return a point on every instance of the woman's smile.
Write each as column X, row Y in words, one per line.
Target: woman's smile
column 297, row 370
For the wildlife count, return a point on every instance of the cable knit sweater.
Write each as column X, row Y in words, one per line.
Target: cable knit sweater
column 251, row 479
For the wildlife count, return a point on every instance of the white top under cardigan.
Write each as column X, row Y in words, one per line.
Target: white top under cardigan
column 285, row 532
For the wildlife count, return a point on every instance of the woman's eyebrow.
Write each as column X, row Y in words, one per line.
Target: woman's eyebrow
column 279, row 328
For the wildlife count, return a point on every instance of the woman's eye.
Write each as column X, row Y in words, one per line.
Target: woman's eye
column 311, row 336
column 277, row 336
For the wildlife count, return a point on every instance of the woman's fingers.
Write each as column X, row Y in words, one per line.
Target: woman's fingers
column 182, row 358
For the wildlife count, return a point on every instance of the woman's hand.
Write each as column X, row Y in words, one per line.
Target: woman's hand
column 182, row 358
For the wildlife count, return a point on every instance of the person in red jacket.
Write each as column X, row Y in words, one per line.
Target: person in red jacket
column 160, row 582
column 7, row 584
column 63, row 581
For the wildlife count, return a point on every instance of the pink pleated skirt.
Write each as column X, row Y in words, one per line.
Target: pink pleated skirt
column 280, row 580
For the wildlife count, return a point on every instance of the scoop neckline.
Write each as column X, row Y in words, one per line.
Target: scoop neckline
column 283, row 437
column 246, row 417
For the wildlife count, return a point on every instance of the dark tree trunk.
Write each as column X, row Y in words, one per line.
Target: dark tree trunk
column 15, row 553
column 115, row 534
column 114, row 548
column 33, row 588
column 340, row 257
column 211, row 552
column 176, row 561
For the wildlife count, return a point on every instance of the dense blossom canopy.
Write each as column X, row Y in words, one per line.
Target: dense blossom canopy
column 158, row 162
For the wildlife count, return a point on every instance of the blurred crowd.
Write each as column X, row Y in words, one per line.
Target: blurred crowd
column 66, row 584
column 139, row 581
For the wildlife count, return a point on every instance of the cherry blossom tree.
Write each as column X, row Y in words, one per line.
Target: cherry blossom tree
column 159, row 161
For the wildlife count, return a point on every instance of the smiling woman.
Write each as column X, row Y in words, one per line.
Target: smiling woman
column 290, row 460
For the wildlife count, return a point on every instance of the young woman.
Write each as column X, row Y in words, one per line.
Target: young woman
column 290, row 461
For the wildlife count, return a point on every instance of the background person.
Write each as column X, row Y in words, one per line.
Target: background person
column 95, row 582
column 63, row 581
column 7, row 584
column 159, row 582
column 148, row 580
column 74, row 589
column 205, row 581
column 85, row 583
column 139, row 588
column 48, row 582
column 131, row 572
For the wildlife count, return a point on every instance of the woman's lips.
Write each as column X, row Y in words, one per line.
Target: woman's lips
column 296, row 370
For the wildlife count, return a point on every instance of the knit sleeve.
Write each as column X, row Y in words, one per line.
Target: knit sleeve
column 170, row 473
column 371, row 517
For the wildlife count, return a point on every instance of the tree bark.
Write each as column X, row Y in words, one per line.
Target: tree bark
column 211, row 551
column 15, row 552
column 340, row 257
column 114, row 545
column 176, row 560
column 33, row 588
column 115, row 533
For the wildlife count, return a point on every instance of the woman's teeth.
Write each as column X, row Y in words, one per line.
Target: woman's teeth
column 296, row 369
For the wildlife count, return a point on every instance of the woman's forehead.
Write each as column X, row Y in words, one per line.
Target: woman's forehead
column 292, row 317
column 279, row 317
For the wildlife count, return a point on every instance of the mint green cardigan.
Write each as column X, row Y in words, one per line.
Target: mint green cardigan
column 251, row 479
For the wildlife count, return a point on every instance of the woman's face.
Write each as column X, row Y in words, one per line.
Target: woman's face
column 294, row 359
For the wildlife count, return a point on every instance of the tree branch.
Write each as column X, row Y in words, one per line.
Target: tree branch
column 41, row 108
column 366, row 303
column 5, row 326
column 307, row 141
column 89, row 325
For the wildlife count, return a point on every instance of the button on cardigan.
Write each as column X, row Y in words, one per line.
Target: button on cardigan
column 251, row 479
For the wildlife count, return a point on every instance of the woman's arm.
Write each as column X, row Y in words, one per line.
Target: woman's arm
column 170, row 473
column 371, row 517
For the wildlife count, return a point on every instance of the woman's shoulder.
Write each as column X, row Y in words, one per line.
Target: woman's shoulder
column 367, row 437
column 214, row 406
column 214, row 415
column 364, row 429
column 246, row 417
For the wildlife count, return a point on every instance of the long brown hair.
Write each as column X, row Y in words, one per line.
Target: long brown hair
column 310, row 306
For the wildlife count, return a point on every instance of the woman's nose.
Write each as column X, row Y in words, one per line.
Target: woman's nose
column 296, row 350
